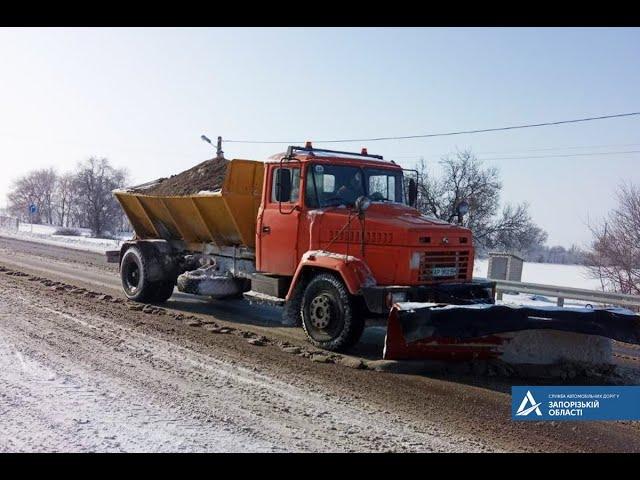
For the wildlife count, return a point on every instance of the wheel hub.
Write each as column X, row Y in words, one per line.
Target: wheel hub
column 320, row 311
column 133, row 277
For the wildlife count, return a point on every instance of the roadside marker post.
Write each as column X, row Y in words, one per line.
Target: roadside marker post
column 33, row 208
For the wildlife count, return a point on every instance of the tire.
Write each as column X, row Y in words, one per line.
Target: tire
column 217, row 286
column 163, row 291
column 328, row 315
column 133, row 275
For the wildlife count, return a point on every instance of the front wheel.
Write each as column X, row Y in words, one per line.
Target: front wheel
column 328, row 314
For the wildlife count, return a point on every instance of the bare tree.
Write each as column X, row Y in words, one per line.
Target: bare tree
column 37, row 188
column 22, row 194
column 513, row 230
column 47, row 179
column 614, row 257
column 97, row 208
column 465, row 178
column 64, row 199
column 574, row 255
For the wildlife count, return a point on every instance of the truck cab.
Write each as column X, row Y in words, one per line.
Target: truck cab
column 340, row 234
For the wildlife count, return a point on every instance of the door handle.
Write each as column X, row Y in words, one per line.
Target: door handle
column 266, row 229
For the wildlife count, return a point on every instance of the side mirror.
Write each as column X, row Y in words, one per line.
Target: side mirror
column 283, row 185
column 413, row 192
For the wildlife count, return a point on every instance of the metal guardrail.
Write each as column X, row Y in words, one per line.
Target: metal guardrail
column 561, row 293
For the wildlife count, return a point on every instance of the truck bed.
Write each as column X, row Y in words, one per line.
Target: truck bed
column 225, row 218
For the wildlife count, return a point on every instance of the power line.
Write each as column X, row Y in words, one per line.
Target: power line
column 542, row 156
column 562, row 156
column 480, row 154
column 547, row 149
column 446, row 134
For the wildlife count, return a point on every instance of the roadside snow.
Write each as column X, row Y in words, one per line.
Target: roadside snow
column 575, row 276
column 46, row 234
column 551, row 346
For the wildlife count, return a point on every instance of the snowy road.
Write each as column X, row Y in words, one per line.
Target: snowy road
column 53, row 401
column 76, row 379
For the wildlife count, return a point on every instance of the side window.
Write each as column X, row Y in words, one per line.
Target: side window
column 286, row 182
column 382, row 185
column 324, row 182
column 328, row 183
column 391, row 189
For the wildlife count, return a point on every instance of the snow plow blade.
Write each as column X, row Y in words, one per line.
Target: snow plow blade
column 418, row 331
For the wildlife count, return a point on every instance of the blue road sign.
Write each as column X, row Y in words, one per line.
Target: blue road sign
column 33, row 208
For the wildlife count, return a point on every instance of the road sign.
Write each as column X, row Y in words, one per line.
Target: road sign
column 33, row 208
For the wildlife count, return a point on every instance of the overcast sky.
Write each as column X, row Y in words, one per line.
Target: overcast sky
column 143, row 97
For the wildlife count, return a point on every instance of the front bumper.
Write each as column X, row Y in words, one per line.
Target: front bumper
column 380, row 299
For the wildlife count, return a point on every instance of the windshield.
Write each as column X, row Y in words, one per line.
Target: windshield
column 333, row 185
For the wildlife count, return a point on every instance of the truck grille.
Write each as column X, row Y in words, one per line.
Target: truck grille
column 443, row 265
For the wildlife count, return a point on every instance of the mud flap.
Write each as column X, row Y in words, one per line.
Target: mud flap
column 417, row 331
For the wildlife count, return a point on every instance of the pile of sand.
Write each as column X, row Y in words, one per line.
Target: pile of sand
column 206, row 176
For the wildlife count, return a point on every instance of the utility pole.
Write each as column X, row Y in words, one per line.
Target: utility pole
column 219, row 152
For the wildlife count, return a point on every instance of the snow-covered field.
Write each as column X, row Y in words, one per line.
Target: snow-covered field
column 46, row 234
column 575, row 276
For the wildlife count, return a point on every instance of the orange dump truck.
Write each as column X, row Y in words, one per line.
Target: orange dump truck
column 335, row 239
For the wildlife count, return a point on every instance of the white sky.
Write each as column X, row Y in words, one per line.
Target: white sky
column 142, row 98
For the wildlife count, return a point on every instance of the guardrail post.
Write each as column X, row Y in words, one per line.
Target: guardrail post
column 560, row 301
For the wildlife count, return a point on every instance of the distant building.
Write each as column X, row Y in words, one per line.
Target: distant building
column 505, row 266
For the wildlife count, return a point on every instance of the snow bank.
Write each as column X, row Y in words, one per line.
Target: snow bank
column 45, row 234
column 551, row 346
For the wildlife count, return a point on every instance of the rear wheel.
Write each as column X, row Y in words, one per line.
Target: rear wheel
column 135, row 281
column 328, row 314
column 163, row 291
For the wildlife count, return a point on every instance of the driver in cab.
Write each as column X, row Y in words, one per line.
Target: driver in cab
column 351, row 189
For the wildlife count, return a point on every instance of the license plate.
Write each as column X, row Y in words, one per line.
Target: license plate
column 444, row 271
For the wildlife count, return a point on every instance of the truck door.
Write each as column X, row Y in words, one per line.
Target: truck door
column 278, row 226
